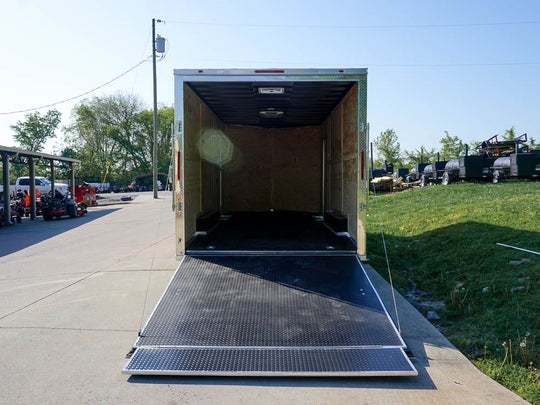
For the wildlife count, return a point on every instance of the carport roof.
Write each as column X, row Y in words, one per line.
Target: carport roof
column 5, row 150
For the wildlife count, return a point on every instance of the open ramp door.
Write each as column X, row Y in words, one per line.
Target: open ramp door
column 270, row 315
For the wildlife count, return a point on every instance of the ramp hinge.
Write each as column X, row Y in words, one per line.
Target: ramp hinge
column 130, row 353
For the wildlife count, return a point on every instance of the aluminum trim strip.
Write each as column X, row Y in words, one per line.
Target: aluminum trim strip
column 381, row 301
column 284, row 348
column 160, row 299
column 270, row 253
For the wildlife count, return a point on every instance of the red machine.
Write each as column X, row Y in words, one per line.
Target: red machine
column 85, row 194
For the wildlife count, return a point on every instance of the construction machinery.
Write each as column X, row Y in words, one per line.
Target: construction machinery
column 58, row 205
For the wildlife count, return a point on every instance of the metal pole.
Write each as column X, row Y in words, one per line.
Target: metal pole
column 154, row 150
column 72, row 180
column 517, row 248
column 52, row 177
column 5, row 174
column 32, row 190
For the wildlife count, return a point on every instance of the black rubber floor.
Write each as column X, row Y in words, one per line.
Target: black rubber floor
column 270, row 315
column 271, row 231
column 270, row 301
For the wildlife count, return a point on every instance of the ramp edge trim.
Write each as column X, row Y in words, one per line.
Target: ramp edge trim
column 267, row 362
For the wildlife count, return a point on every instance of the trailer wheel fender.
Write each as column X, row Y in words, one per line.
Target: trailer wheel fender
column 446, row 179
column 497, row 176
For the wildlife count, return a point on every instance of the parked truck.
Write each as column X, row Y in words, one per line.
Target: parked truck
column 42, row 185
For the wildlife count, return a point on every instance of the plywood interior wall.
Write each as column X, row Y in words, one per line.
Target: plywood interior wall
column 201, row 178
column 340, row 131
column 273, row 168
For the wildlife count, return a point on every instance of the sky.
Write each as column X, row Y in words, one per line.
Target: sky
column 471, row 68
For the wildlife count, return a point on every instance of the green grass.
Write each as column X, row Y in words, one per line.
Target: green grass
column 523, row 381
column 441, row 244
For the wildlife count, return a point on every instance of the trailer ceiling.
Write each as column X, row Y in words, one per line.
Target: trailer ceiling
column 303, row 103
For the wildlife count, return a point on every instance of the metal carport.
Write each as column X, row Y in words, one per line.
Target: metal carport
column 15, row 155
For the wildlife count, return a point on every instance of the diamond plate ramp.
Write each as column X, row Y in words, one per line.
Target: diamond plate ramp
column 270, row 315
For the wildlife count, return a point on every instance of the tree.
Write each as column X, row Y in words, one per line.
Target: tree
column 35, row 130
column 165, row 117
column 388, row 147
column 420, row 155
column 452, row 147
column 115, row 132
column 509, row 134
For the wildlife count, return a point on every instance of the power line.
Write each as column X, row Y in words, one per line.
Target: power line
column 78, row 96
column 455, row 64
column 368, row 65
column 406, row 26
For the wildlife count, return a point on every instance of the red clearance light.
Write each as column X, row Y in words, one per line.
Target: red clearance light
column 200, row 71
column 270, row 71
column 341, row 71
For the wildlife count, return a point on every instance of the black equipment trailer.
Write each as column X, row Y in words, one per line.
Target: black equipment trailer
column 263, row 310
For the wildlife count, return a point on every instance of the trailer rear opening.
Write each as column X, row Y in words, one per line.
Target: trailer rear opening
column 270, row 201
column 282, row 141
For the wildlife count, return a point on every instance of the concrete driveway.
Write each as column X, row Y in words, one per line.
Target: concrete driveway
column 75, row 292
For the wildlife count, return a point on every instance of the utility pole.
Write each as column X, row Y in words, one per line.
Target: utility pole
column 154, row 150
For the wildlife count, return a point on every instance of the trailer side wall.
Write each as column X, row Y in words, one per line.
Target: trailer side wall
column 201, row 178
column 340, row 131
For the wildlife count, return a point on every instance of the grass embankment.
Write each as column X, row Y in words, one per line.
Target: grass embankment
column 442, row 249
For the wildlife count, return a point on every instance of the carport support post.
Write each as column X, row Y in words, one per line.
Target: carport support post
column 5, row 180
column 32, row 183
column 52, row 177
column 72, row 180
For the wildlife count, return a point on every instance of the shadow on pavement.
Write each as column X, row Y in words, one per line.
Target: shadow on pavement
column 27, row 233
column 420, row 382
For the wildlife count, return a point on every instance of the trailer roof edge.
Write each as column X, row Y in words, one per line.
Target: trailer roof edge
column 272, row 72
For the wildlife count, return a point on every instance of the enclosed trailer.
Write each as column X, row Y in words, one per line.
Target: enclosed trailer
column 270, row 140
column 270, row 197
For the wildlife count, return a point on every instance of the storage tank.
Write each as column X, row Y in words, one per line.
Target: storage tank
column 452, row 165
column 502, row 162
